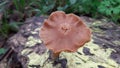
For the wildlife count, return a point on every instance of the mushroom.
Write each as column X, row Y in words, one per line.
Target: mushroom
column 64, row 32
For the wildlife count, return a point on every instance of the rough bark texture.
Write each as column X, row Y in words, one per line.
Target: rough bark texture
column 103, row 51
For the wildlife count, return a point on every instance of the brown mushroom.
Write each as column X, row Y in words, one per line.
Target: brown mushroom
column 64, row 32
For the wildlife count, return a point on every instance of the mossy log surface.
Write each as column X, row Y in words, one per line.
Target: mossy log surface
column 103, row 51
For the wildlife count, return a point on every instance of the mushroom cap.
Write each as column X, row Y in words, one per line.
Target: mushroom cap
column 64, row 32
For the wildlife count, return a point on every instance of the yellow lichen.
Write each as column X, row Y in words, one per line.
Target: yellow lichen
column 36, row 59
column 26, row 51
column 32, row 41
column 101, row 57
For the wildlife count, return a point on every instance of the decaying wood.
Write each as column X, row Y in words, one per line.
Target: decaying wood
column 102, row 35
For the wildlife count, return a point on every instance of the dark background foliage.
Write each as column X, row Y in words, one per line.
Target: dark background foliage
column 14, row 12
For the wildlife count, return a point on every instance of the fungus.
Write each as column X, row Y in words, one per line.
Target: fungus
column 64, row 32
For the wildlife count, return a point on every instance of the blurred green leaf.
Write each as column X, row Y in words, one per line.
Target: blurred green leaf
column 22, row 2
column 108, row 12
column 116, row 10
column 2, row 50
column 3, row 3
column 4, row 30
column 60, row 8
column 72, row 1
column 14, row 26
column 16, row 4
